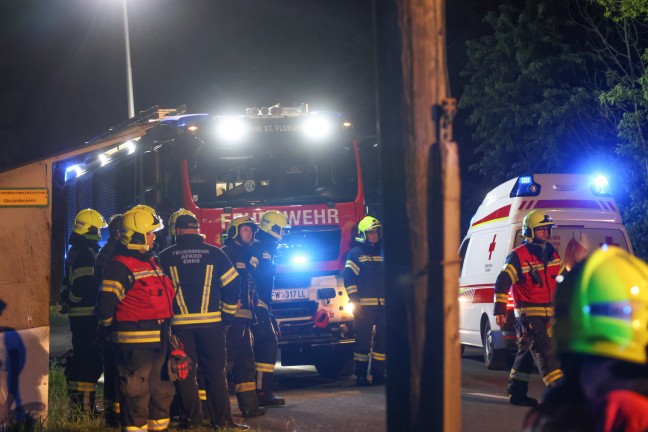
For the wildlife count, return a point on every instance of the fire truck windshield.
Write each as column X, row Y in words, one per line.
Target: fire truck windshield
column 274, row 174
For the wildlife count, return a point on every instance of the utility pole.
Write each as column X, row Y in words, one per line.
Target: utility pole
column 421, row 193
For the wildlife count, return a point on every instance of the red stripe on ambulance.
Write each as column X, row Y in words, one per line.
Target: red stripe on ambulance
column 497, row 214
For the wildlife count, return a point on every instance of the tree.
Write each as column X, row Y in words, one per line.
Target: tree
column 533, row 93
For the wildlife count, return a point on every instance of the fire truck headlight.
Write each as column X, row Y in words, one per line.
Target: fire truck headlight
column 317, row 127
column 231, row 129
column 349, row 308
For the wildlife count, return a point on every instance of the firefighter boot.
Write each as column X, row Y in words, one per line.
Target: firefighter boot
column 361, row 374
column 268, row 399
column 517, row 390
column 249, row 404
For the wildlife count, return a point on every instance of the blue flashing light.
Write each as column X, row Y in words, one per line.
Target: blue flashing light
column 299, row 259
column 74, row 171
column 600, row 185
column 525, row 186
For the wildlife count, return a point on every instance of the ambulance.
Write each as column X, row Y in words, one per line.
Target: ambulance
column 586, row 217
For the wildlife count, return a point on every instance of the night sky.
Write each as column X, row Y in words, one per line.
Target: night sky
column 63, row 78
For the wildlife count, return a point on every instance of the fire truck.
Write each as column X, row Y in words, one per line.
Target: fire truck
column 304, row 163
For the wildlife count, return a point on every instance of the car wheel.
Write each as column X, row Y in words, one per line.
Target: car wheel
column 494, row 359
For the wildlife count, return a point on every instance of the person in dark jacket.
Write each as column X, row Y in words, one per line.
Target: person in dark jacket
column 136, row 299
column 78, row 297
column 265, row 336
column 531, row 269
column 240, row 355
column 207, row 292
column 364, row 282
column 110, row 400
column 601, row 333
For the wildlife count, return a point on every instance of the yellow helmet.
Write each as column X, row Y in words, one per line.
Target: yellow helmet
column 533, row 220
column 88, row 223
column 368, row 223
column 272, row 222
column 174, row 217
column 239, row 221
column 602, row 307
column 145, row 208
column 134, row 226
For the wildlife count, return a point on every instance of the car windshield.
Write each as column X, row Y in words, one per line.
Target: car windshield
column 278, row 174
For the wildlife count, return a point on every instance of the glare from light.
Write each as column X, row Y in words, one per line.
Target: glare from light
column 349, row 308
column 74, row 170
column 231, row 129
column 192, row 128
column 103, row 159
column 347, row 125
column 130, row 145
column 601, row 181
column 317, row 127
column 299, row 259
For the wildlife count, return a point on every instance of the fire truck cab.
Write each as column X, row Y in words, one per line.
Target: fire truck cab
column 586, row 216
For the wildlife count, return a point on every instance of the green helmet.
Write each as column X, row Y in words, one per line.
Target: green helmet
column 368, row 223
column 535, row 219
column 602, row 307
column 88, row 223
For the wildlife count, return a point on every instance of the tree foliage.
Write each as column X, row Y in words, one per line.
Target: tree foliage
column 532, row 93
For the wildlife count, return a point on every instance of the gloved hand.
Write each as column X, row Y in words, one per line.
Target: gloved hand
column 179, row 361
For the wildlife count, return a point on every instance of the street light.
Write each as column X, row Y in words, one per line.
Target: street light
column 129, row 70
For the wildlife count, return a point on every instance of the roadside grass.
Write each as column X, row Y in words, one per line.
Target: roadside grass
column 60, row 419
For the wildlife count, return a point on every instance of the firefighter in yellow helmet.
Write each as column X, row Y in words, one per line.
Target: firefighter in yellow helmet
column 240, row 355
column 136, row 298
column 364, row 282
column 78, row 297
column 601, row 328
column 271, row 226
column 531, row 270
column 207, row 287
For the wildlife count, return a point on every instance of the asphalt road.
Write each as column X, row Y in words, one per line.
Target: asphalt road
column 317, row 404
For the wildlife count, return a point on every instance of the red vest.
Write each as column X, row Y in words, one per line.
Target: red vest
column 526, row 291
column 152, row 293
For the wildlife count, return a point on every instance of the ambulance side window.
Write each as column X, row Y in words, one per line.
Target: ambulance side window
column 462, row 252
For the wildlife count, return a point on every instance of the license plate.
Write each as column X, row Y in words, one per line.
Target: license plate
column 290, row 294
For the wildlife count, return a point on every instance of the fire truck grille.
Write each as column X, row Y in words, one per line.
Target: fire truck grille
column 294, row 309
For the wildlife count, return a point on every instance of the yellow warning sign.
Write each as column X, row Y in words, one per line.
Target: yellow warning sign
column 24, row 197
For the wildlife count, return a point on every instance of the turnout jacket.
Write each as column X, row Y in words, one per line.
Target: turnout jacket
column 206, row 284
column 363, row 274
column 136, row 298
column 245, row 263
column 80, row 288
column 531, row 269
column 265, row 249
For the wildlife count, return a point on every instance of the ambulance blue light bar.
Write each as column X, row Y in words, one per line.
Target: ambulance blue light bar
column 600, row 186
column 525, row 186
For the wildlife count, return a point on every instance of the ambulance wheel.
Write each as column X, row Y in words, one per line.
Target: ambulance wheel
column 494, row 359
column 334, row 364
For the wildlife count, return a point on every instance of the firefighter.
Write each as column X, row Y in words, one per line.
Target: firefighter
column 240, row 356
column 264, row 333
column 110, row 400
column 601, row 333
column 207, row 292
column 78, row 297
column 532, row 269
column 136, row 298
column 363, row 280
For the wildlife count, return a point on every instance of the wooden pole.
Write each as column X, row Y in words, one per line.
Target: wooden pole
column 421, row 194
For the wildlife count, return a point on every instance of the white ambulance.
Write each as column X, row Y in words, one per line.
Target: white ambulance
column 586, row 217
